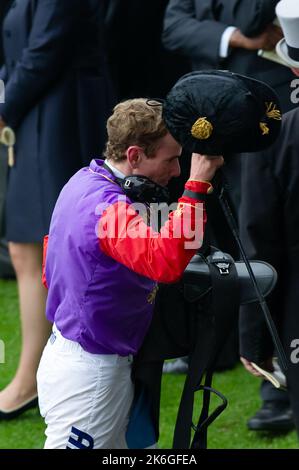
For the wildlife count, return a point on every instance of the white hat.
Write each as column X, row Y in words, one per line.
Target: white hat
column 287, row 12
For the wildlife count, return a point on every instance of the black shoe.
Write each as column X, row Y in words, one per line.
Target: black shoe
column 6, row 415
column 273, row 416
column 179, row 366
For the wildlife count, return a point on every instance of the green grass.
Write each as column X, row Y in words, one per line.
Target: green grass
column 227, row 432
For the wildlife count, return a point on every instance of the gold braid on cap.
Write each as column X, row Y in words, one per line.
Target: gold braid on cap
column 271, row 113
column 265, row 129
column 202, row 129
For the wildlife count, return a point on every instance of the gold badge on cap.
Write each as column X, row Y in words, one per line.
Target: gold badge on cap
column 202, row 129
column 264, row 128
column 272, row 112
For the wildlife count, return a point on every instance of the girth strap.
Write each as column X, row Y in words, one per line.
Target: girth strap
column 221, row 311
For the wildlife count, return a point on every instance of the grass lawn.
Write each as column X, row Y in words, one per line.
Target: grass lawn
column 228, row 432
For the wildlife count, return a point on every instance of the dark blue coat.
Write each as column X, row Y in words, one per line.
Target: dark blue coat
column 269, row 227
column 57, row 100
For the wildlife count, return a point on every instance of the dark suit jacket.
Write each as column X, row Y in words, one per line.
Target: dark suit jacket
column 194, row 28
column 140, row 66
column 269, row 228
column 57, row 100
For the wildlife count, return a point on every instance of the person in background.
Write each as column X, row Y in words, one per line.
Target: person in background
column 228, row 34
column 57, row 99
column 124, row 21
column 270, row 231
column 6, row 269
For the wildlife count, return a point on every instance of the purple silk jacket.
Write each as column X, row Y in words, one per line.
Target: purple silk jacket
column 93, row 299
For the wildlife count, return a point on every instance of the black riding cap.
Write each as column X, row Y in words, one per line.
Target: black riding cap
column 219, row 112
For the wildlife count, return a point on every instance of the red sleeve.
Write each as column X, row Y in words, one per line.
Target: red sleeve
column 161, row 256
column 45, row 246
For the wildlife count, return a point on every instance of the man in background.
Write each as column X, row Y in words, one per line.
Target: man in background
column 269, row 228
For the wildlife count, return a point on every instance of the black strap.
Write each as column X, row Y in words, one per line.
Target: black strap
column 205, row 420
column 212, row 333
column 225, row 305
column 116, row 178
column 194, row 195
column 197, row 366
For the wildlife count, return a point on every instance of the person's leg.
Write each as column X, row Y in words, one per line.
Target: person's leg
column 275, row 413
column 290, row 337
column 270, row 393
column 27, row 262
column 84, row 398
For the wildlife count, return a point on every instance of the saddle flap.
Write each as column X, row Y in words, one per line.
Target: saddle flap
column 197, row 278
